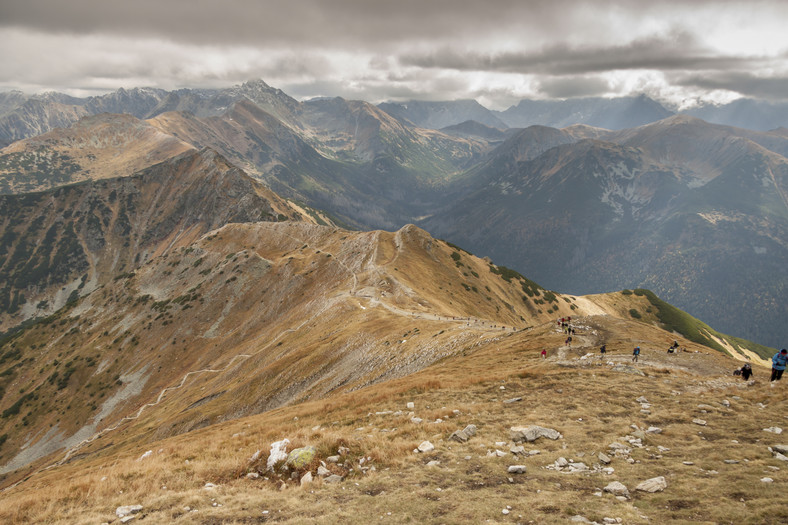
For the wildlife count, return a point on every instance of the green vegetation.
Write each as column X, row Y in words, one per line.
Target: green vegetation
column 634, row 313
column 676, row 320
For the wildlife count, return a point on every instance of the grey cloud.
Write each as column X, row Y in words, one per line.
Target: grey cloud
column 569, row 87
column 744, row 83
column 675, row 51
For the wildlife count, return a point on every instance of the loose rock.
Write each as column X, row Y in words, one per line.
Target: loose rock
column 532, row 433
column 657, row 484
column 617, row 489
column 516, row 469
column 301, row 457
column 127, row 510
column 426, row 446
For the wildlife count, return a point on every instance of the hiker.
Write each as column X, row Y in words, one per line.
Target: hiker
column 568, row 341
column 603, row 350
column 778, row 364
column 745, row 371
column 544, row 353
column 674, row 347
column 635, row 354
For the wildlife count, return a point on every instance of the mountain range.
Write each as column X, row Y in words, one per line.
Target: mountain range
column 695, row 211
column 190, row 286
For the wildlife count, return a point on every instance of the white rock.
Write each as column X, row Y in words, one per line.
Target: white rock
column 278, row 453
column 416, row 420
column 779, row 456
column 608, row 470
column 209, row 486
column 253, row 475
column 505, row 511
column 604, row 458
column 783, row 449
column 306, row 479
column 127, row 510
column 433, row 463
column 323, row 471
column 561, row 462
column 532, row 433
column 700, row 422
column 534, row 452
column 653, row 430
column 332, row 459
column 767, row 480
column 642, row 399
column 145, row 455
column 426, row 446
column 617, row 489
column 516, row 469
column 773, row 430
column 410, row 405
column 657, row 484
column 517, row 450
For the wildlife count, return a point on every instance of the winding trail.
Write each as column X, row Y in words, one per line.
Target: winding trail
column 372, row 300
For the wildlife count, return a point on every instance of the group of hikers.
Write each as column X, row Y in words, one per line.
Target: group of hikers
column 779, row 361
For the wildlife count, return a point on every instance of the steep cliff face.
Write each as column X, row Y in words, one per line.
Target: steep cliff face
column 63, row 243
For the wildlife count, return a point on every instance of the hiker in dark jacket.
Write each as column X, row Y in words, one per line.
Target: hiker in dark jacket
column 746, row 371
column 779, row 361
column 635, row 354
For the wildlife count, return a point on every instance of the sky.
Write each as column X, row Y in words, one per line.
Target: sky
column 680, row 52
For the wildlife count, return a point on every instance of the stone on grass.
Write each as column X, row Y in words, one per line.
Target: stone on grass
column 700, row 422
column 323, row 471
column 426, row 446
column 278, row 453
column 780, row 457
column 773, row 430
column 653, row 430
column 561, row 462
column 512, row 400
column 416, row 420
column 127, row 510
column 301, row 457
column 410, row 405
column 782, row 449
column 657, row 484
column 333, row 478
column 433, row 463
column 532, row 433
column 617, row 488
column 470, row 430
column 516, row 469
column 604, row 458
column 306, row 479
column 517, row 450
column 767, row 480
column 459, row 436
column 253, row 475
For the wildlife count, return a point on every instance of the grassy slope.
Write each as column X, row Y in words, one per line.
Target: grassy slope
column 588, row 402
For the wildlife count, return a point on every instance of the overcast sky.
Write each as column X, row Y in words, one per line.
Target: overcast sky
column 496, row 51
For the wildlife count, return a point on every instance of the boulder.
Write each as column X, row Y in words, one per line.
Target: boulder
column 333, row 478
column 426, row 446
column 516, row 469
column 278, row 453
column 323, row 472
column 470, row 430
column 653, row 430
column 604, row 458
column 459, row 436
column 617, row 489
column 128, row 510
column 782, row 449
column 657, row 484
column 301, row 457
column 306, row 479
column 532, row 433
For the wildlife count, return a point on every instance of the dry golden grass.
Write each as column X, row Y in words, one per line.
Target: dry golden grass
column 591, row 405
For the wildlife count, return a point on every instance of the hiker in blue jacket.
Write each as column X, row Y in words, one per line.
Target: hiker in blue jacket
column 636, row 354
column 778, row 364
